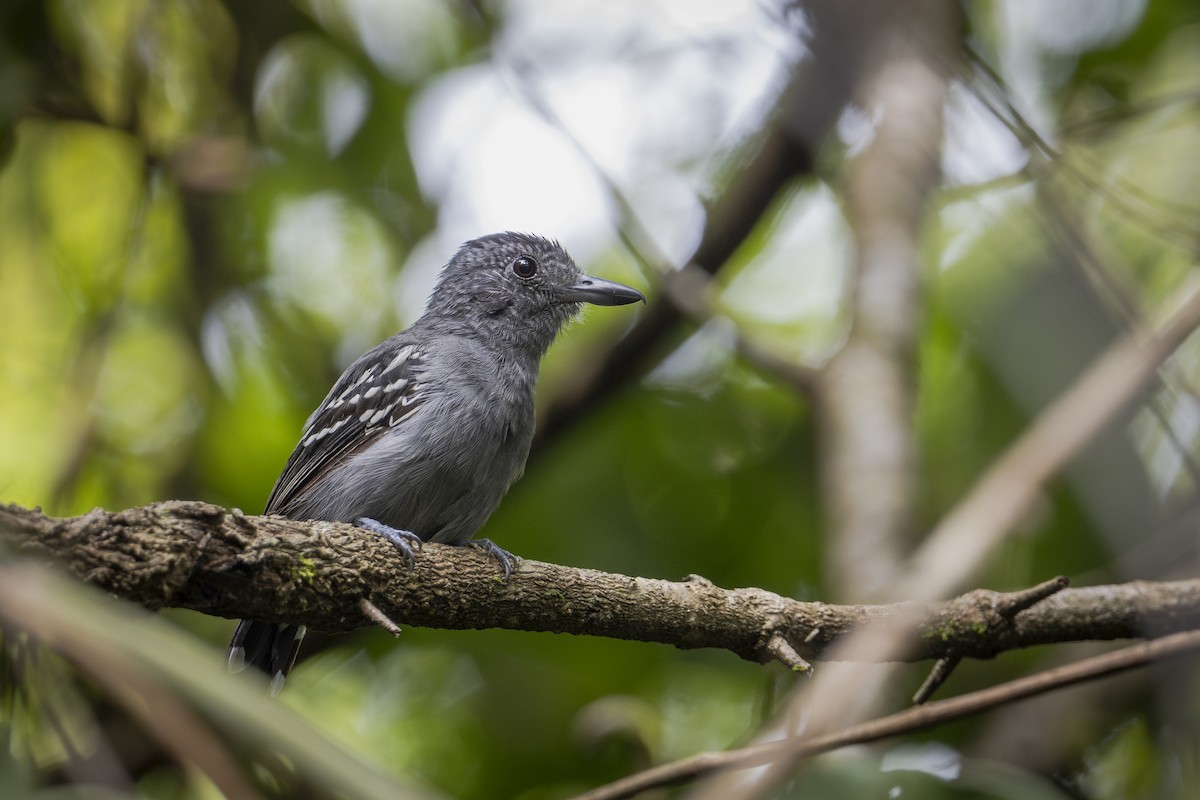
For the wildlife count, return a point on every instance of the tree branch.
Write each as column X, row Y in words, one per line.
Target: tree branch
column 199, row 556
column 839, row 45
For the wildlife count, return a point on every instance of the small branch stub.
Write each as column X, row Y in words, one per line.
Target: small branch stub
column 373, row 613
column 1013, row 603
column 943, row 668
column 781, row 650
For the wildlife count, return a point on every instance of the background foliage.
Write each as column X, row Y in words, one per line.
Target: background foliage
column 208, row 209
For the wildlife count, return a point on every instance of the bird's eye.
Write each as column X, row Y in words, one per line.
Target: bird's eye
column 524, row 267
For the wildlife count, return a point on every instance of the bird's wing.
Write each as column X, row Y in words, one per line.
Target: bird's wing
column 375, row 394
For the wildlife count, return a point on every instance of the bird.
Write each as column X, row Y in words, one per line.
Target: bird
column 421, row 437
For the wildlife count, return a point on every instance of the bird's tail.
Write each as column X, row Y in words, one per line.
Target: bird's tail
column 267, row 646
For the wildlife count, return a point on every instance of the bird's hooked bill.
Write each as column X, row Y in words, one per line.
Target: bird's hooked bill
column 600, row 292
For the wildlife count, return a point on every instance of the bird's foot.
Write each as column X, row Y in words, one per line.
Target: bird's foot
column 405, row 541
column 506, row 559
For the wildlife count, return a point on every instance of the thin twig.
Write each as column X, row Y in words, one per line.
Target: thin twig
column 942, row 669
column 1130, row 200
column 908, row 721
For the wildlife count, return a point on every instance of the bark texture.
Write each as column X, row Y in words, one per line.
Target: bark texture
column 225, row 563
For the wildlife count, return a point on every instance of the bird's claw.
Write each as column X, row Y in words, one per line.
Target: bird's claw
column 506, row 559
column 404, row 541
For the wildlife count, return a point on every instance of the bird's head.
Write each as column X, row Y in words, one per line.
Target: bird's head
column 518, row 285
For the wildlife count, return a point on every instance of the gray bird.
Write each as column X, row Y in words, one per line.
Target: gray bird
column 420, row 438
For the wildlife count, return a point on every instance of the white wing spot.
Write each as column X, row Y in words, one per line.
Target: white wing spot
column 374, row 390
column 396, row 385
column 366, row 377
column 401, row 356
column 381, row 413
column 328, row 429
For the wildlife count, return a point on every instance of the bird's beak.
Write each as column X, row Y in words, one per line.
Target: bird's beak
column 600, row 292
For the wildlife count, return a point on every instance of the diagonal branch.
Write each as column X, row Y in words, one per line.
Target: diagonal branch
column 908, row 721
column 1004, row 494
column 839, row 46
column 954, row 550
column 199, row 556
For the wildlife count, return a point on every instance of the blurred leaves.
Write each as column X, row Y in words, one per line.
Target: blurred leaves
column 163, row 64
column 135, row 658
column 357, row 700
